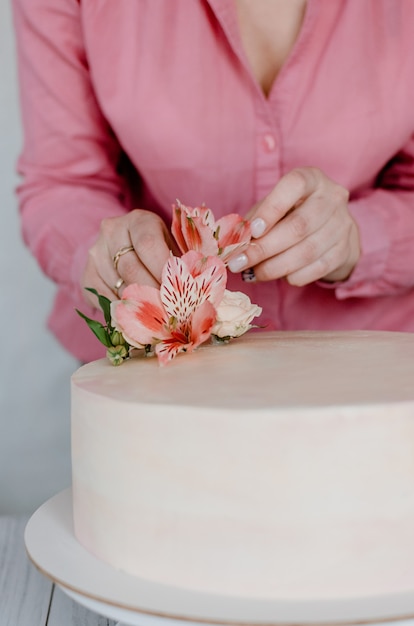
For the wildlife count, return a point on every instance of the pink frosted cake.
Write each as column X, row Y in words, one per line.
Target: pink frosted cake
column 278, row 466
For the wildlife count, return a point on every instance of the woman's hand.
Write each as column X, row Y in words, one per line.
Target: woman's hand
column 129, row 249
column 302, row 231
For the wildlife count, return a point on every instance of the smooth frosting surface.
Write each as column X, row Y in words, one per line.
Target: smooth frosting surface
column 280, row 465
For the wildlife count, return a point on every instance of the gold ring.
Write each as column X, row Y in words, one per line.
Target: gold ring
column 118, row 285
column 120, row 252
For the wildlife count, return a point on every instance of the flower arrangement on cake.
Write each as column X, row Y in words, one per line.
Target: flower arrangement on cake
column 192, row 304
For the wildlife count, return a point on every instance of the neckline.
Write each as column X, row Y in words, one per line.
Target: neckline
column 297, row 48
column 226, row 13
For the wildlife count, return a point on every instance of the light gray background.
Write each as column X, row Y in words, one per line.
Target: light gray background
column 34, row 369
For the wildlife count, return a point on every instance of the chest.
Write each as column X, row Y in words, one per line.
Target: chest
column 172, row 81
column 269, row 29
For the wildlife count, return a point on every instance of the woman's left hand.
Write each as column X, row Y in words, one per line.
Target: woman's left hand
column 302, row 231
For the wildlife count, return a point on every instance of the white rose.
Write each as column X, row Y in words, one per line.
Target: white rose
column 234, row 315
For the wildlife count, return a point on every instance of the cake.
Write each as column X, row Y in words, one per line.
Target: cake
column 280, row 465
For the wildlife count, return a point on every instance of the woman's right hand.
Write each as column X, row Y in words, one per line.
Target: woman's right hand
column 129, row 249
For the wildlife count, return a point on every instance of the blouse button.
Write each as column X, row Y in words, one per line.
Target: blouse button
column 269, row 142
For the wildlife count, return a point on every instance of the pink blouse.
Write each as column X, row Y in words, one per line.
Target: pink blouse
column 136, row 103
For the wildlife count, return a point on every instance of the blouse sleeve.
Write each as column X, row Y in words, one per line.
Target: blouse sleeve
column 69, row 158
column 385, row 217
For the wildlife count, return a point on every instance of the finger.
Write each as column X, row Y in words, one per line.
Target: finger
column 291, row 190
column 105, row 255
column 132, row 270
column 92, row 280
column 146, row 234
column 297, row 226
column 104, row 267
column 304, row 253
column 290, row 261
column 296, row 274
column 152, row 244
column 250, row 215
column 317, row 270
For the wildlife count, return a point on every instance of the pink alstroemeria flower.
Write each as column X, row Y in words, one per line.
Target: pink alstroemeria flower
column 179, row 316
column 196, row 229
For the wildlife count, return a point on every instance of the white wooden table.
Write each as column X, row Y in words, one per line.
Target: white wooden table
column 26, row 597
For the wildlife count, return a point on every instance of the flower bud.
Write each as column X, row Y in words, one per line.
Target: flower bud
column 117, row 354
column 117, row 338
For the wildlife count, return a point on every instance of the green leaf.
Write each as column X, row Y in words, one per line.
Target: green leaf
column 104, row 303
column 97, row 328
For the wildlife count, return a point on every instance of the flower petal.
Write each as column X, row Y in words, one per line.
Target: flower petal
column 234, row 315
column 139, row 315
column 193, row 229
column 202, row 323
column 176, row 229
column 178, row 290
column 199, row 236
column 234, row 234
column 210, row 274
column 205, row 213
column 169, row 348
column 190, row 280
column 193, row 333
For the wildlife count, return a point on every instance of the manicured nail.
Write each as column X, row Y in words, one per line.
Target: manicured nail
column 258, row 226
column 238, row 263
column 249, row 276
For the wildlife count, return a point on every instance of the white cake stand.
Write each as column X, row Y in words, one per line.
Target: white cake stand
column 54, row 550
column 127, row 617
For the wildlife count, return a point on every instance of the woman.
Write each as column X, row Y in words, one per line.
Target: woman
column 295, row 113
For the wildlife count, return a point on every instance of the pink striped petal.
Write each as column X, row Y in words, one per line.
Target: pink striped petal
column 168, row 349
column 210, row 274
column 190, row 280
column 197, row 331
column 178, row 291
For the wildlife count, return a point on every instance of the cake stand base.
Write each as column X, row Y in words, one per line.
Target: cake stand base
column 134, row 618
column 127, row 617
column 53, row 548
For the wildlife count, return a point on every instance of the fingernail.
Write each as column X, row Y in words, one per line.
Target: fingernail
column 238, row 263
column 249, row 276
column 258, row 226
